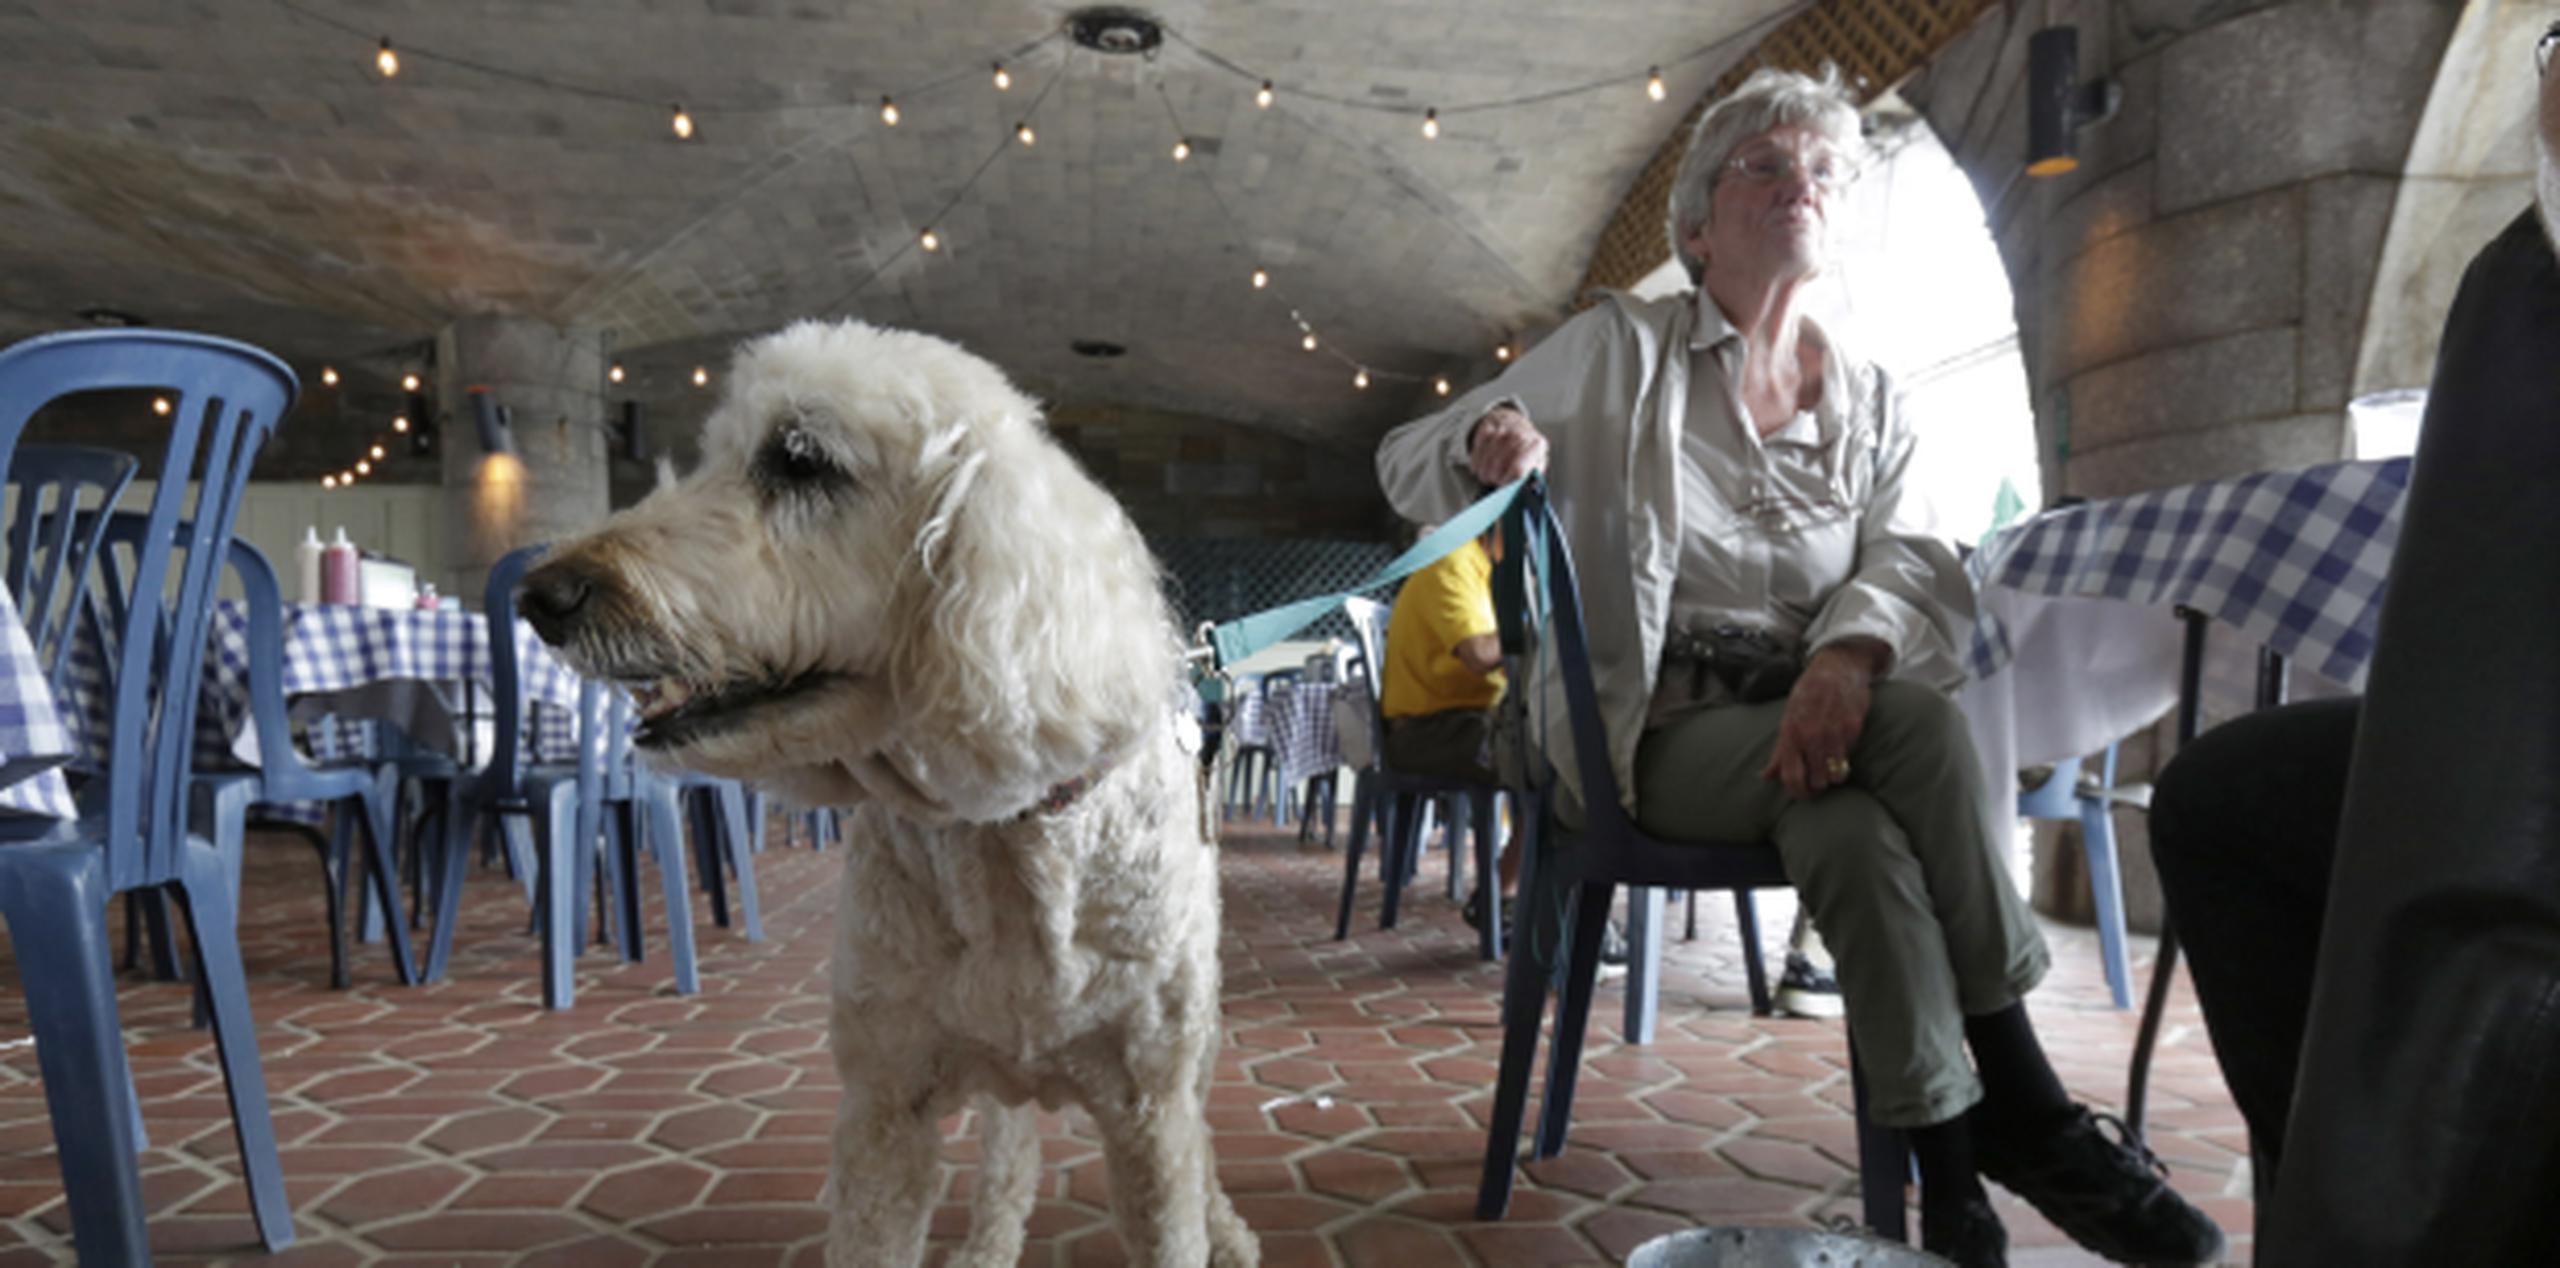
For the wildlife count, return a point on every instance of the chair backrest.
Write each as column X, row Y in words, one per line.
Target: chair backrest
column 1369, row 634
column 59, row 495
column 1518, row 603
column 225, row 399
column 506, row 670
column 262, row 600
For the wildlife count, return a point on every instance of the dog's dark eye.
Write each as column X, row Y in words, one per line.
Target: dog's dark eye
column 793, row 461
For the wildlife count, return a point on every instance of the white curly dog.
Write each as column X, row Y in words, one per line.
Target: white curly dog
column 886, row 587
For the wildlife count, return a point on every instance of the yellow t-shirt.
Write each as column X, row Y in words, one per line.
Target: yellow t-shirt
column 1439, row 607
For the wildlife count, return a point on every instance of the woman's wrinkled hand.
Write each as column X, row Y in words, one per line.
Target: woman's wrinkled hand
column 1826, row 711
column 1505, row 446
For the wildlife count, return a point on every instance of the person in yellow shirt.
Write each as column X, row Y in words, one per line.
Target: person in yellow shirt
column 1444, row 668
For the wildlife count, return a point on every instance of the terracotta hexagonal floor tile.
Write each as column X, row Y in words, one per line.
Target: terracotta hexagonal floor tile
column 656, row 1188
column 383, row 1195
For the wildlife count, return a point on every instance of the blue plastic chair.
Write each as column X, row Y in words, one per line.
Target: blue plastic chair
column 226, row 398
column 2065, row 795
column 1572, row 883
column 361, row 791
column 61, row 496
column 640, row 810
column 545, row 801
column 1395, row 799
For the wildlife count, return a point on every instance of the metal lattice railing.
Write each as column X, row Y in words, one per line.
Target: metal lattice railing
column 1222, row 578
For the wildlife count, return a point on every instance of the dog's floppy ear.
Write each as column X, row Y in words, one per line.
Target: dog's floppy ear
column 1033, row 641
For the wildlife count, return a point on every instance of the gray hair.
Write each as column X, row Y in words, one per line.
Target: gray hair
column 1770, row 98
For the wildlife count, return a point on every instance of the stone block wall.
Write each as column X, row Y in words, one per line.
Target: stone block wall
column 2193, row 300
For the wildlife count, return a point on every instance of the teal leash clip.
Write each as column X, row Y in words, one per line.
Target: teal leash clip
column 1235, row 640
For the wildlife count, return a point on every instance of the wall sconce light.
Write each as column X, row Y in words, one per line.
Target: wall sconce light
column 2058, row 104
column 492, row 421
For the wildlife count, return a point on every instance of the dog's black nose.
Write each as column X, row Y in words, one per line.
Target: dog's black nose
column 552, row 596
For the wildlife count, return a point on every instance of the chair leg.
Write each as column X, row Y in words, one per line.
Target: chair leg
column 333, row 874
column 1689, row 931
column 709, row 824
column 1461, row 818
column 668, row 846
column 1573, row 1016
column 204, row 892
column 622, row 847
column 161, row 936
column 1755, row 973
column 1404, row 840
column 384, row 872
column 1362, row 791
column 54, row 901
column 562, row 893
column 453, row 862
column 1524, row 1001
column 1884, row 1163
column 739, row 807
column 2098, row 843
column 1644, row 961
column 1488, row 875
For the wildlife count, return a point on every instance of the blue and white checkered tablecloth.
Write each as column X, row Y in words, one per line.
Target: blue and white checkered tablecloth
column 2294, row 559
column 31, row 729
column 336, row 648
column 1299, row 722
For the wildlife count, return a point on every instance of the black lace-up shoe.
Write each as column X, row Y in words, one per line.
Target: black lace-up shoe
column 2110, row 1195
column 1969, row 1236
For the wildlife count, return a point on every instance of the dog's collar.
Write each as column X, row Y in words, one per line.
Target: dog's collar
column 1060, row 796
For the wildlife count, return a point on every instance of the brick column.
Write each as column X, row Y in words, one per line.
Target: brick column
column 551, row 379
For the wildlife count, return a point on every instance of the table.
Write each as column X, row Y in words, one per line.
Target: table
column 34, row 743
column 400, row 665
column 2295, row 560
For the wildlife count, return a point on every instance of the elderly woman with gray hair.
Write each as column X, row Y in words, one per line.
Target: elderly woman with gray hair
column 1772, row 631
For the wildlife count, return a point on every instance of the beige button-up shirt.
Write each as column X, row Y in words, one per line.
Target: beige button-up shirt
column 1677, row 509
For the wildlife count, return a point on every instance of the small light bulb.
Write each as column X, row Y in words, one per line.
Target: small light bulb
column 701, row 376
column 408, row 383
column 1502, row 352
column 683, row 123
column 328, row 376
column 614, row 373
column 400, row 423
column 160, row 406
column 1022, row 132
column 1431, row 124
column 328, row 482
column 363, row 467
column 1263, row 98
column 1653, row 84
column 377, row 453
column 347, row 476
column 1182, row 149
column 931, row 241
column 385, row 60
column 1361, row 380
column 1004, row 78
column 1308, row 343
column 1441, row 385
column 888, row 112
column 1261, row 278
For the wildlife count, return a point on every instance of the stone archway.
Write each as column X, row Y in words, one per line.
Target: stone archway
column 2470, row 170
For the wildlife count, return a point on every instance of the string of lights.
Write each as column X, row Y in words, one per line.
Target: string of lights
column 684, row 114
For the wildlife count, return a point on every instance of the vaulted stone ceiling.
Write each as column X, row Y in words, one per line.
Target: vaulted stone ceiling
column 241, row 168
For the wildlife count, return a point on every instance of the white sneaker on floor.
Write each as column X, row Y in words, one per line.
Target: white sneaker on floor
column 1805, row 991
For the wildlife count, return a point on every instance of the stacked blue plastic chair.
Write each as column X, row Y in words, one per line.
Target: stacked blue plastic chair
column 361, row 790
column 512, row 793
column 639, row 810
column 1395, row 800
column 225, row 401
column 60, row 497
column 727, row 820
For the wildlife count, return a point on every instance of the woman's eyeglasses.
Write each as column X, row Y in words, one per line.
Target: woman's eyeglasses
column 1768, row 165
column 2542, row 49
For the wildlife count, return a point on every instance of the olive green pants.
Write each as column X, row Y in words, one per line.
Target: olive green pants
column 1898, row 867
